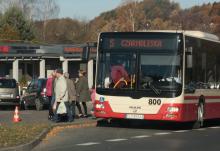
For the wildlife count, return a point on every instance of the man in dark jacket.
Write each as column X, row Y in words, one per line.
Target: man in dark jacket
column 83, row 94
column 71, row 97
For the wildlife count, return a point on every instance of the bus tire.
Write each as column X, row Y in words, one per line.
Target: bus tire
column 200, row 116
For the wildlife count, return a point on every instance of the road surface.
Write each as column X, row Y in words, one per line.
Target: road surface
column 152, row 137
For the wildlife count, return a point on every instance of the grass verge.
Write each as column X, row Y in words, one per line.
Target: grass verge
column 19, row 133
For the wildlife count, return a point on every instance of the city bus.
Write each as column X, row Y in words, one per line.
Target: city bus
column 158, row 75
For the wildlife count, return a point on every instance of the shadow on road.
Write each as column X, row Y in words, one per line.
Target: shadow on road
column 159, row 125
column 12, row 108
column 7, row 108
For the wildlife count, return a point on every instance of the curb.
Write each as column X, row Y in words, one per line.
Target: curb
column 30, row 145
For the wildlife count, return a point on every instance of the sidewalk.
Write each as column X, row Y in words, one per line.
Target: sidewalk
column 53, row 128
column 39, row 117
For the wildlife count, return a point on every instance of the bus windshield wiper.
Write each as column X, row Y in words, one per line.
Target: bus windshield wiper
column 156, row 91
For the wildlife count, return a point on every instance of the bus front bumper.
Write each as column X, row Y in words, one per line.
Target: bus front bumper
column 167, row 112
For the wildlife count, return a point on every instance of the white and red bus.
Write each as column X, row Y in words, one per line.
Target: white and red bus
column 158, row 75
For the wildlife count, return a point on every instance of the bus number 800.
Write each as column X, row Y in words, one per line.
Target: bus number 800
column 154, row 102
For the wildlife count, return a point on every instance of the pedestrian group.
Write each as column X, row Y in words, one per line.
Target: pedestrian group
column 64, row 94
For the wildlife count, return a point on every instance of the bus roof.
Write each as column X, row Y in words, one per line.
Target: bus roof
column 191, row 33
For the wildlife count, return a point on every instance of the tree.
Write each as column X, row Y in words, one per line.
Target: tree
column 34, row 10
column 28, row 7
column 196, row 18
column 47, row 9
column 66, row 31
column 14, row 22
column 130, row 13
column 8, row 32
column 215, row 18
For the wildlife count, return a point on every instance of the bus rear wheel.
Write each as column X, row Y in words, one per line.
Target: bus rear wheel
column 200, row 116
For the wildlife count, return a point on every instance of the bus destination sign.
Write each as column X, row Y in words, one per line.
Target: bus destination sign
column 116, row 43
column 137, row 43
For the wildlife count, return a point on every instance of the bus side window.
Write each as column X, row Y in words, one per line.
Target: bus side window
column 189, row 83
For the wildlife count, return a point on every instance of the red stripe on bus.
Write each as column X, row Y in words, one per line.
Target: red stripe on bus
column 197, row 97
column 187, row 112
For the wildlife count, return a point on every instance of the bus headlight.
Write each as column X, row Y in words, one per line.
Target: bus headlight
column 99, row 106
column 172, row 109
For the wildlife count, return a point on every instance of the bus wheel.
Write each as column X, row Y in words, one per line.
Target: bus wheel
column 200, row 116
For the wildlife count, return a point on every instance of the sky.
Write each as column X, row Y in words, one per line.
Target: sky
column 89, row 9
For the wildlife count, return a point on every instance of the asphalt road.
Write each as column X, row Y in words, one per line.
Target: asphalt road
column 148, row 136
column 29, row 116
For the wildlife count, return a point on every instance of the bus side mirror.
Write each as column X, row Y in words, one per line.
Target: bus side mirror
column 85, row 53
column 189, row 57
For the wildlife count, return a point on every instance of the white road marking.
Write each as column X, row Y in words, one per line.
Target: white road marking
column 215, row 127
column 181, row 131
column 163, row 133
column 116, row 140
column 141, row 136
column 88, row 144
column 201, row 129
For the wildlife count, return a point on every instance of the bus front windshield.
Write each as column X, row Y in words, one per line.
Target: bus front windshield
column 123, row 71
column 117, row 71
column 160, row 72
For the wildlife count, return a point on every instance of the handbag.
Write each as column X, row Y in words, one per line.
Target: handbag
column 61, row 108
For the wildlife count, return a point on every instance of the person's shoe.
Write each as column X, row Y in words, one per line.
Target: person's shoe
column 85, row 116
column 50, row 118
column 55, row 120
column 80, row 115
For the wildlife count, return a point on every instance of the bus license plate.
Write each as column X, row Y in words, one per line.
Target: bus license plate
column 134, row 116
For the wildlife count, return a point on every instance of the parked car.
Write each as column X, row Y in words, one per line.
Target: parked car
column 9, row 92
column 35, row 95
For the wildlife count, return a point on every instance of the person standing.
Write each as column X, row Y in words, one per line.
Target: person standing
column 83, row 94
column 77, row 100
column 61, row 93
column 53, row 92
column 49, row 91
column 71, row 97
